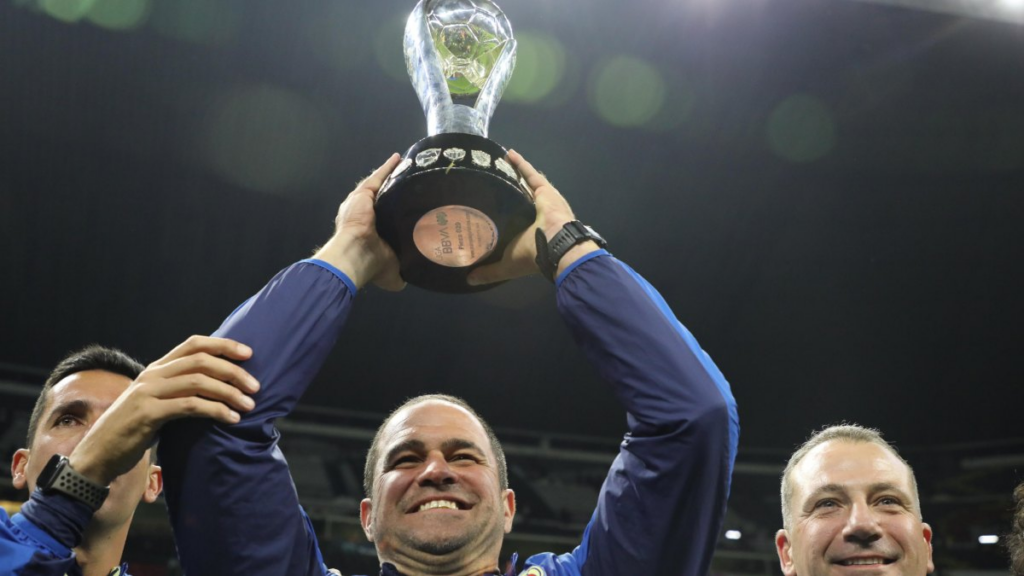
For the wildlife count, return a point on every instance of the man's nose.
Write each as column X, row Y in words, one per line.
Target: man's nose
column 862, row 525
column 436, row 471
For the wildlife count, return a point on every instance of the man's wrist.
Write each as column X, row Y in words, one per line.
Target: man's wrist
column 562, row 244
column 350, row 257
column 575, row 253
column 86, row 466
column 58, row 476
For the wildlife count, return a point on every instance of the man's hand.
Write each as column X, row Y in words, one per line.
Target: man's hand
column 196, row 379
column 553, row 212
column 355, row 248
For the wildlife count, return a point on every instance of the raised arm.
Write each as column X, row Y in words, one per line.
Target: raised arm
column 229, row 492
column 662, row 504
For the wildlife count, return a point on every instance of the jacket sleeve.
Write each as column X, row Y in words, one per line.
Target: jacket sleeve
column 231, row 499
column 39, row 539
column 662, row 503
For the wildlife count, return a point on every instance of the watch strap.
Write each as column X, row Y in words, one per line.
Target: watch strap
column 550, row 252
column 58, row 476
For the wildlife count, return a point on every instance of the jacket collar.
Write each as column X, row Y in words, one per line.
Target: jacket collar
column 388, row 569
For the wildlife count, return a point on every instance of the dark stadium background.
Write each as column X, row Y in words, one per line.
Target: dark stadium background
column 829, row 193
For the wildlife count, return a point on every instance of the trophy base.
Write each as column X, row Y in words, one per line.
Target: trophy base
column 452, row 204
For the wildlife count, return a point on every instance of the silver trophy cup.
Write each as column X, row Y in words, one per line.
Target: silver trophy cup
column 455, row 201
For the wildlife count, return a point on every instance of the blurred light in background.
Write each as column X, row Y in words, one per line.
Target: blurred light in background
column 680, row 100
column 205, row 22
column 988, row 539
column 733, row 535
column 119, row 14
column 540, row 67
column 66, row 10
column 110, row 14
column 1005, row 10
column 387, row 47
column 626, row 92
column 801, row 129
column 267, row 139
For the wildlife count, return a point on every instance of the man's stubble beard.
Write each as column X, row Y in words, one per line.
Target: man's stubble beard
column 437, row 546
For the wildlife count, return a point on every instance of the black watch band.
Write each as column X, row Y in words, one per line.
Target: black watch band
column 550, row 252
column 57, row 476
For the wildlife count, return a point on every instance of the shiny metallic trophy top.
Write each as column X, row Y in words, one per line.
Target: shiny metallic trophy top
column 455, row 201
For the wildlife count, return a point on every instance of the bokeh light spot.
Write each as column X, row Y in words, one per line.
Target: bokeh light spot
column 67, row 10
column 801, row 129
column 627, row 92
column 119, row 14
column 540, row 66
column 680, row 101
column 206, row 22
column 267, row 139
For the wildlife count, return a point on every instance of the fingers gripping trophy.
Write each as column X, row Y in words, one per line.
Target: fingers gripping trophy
column 455, row 201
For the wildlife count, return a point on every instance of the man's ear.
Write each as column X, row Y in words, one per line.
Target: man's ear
column 927, row 532
column 18, row 465
column 366, row 517
column 510, row 509
column 785, row 549
column 154, row 484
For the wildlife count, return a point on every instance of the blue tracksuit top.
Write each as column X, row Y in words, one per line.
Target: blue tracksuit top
column 234, row 508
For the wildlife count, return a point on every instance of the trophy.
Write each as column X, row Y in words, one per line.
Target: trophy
column 455, row 201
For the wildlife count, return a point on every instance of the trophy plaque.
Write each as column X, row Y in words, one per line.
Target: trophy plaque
column 455, row 201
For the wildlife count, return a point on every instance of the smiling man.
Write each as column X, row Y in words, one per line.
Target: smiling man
column 439, row 478
column 437, row 495
column 850, row 507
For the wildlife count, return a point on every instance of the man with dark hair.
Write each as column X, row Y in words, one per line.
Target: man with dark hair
column 94, row 357
column 850, row 503
column 437, row 501
column 373, row 454
column 1015, row 541
column 88, row 461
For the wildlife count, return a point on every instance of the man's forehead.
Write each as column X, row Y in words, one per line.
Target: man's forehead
column 839, row 464
column 97, row 387
column 433, row 420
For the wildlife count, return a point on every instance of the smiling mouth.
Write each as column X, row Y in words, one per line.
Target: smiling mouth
column 439, row 504
column 865, row 562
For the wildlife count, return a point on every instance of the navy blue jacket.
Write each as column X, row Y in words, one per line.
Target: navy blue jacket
column 234, row 508
column 38, row 541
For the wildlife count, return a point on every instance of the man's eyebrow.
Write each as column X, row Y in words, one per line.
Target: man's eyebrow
column 825, row 489
column 887, row 487
column 413, row 445
column 454, row 444
column 69, row 407
column 872, row 489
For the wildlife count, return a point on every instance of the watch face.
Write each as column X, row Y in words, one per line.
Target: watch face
column 50, row 471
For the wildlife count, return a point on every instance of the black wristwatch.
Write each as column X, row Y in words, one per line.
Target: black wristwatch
column 549, row 253
column 57, row 476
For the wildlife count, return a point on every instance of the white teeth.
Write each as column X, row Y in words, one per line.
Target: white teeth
column 438, row 504
column 863, row 561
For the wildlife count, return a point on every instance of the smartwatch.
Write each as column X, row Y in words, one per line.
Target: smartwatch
column 550, row 252
column 57, row 476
